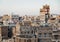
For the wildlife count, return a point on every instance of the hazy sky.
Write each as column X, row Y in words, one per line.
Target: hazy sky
column 28, row 7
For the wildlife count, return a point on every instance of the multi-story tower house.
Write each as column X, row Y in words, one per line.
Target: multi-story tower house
column 15, row 18
column 44, row 33
column 24, row 32
column 56, row 31
column 6, row 19
column 44, row 14
column 37, row 20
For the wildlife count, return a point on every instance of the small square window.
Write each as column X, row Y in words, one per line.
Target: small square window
column 40, row 34
column 45, row 34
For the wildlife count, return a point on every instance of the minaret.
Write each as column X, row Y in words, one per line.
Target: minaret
column 44, row 14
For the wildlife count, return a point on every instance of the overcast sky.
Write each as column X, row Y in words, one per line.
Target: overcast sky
column 27, row 7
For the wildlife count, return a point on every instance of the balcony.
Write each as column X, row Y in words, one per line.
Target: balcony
column 55, row 34
column 24, row 36
column 55, row 29
column 55, row 40
column 44, row 37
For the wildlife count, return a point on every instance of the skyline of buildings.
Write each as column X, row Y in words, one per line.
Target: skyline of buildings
column 42, row 28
